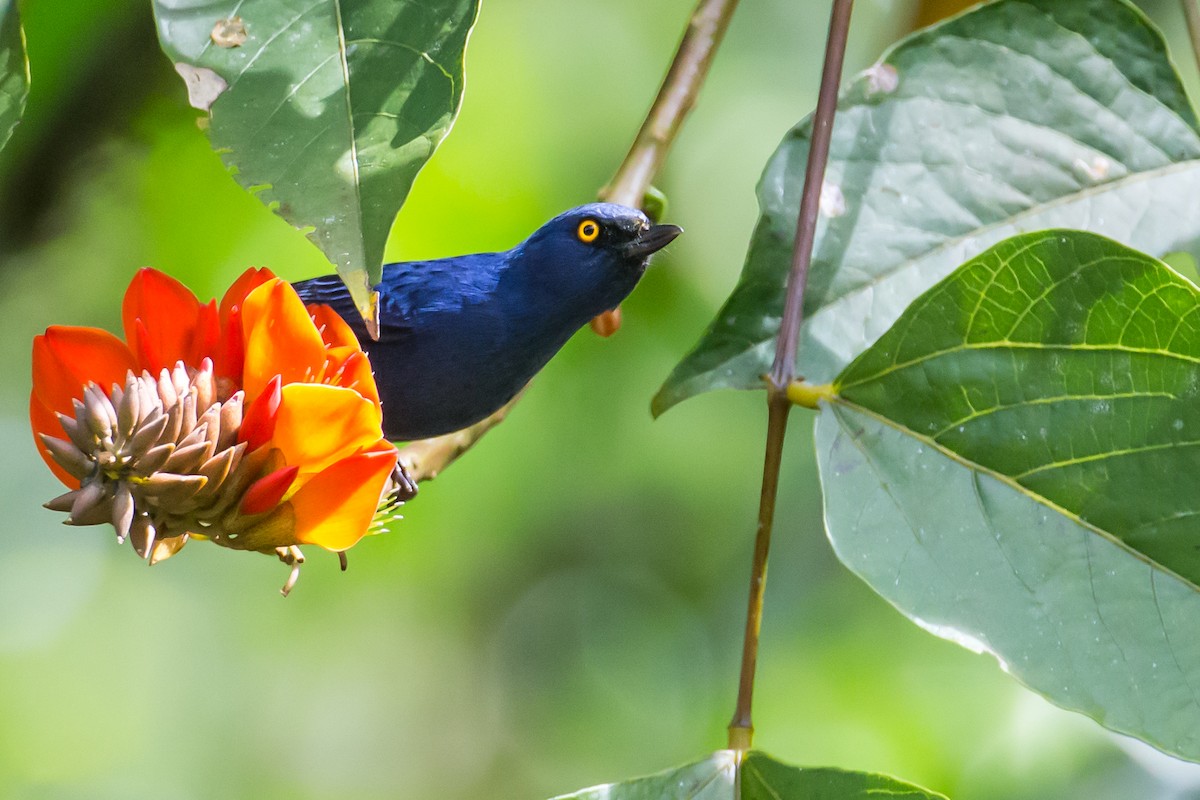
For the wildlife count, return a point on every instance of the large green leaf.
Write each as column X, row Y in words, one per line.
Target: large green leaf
column 325, row 108
column 710, row 779
column 763, row 778
column 14, row 70
column 1017, row 116
column 756, row 777
column 1014, row 465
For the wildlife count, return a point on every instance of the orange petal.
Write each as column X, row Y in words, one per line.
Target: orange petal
column 318, row 424
column 43, row 420
column 169, row 313
column 280, row 338
column 349, row 367
column 266, row 492
column 229, row 359
column 66, row 358
column 335, row 508
column 258, row 423
column 247, row 282
column 334, row 330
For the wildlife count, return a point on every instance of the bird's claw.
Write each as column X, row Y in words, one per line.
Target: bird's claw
column 404, row 487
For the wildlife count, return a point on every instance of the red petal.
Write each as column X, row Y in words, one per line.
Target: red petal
column 169, row 313
column 208, row 334
column 66, row 358
column 230, row 355
column 266, row 492
column 247, row 282
column 142, row 344
column 258, row 424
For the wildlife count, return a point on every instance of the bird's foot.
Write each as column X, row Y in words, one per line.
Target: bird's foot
column 404, row 486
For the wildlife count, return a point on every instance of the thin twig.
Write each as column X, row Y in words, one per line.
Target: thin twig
column 426, row 458
column 675, row 99
column 1191, row 10
column 783, row 371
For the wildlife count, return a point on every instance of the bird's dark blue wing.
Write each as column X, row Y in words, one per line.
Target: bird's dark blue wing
column 411, row 290
column 331, row 291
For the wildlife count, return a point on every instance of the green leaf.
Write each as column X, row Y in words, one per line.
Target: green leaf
column 1013, row 466
column 327, row 109
column 1018, row 116
column 14, row 70
column 761, row 778
column 710, row 779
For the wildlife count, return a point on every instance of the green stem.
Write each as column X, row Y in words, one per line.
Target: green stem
column 783, row 371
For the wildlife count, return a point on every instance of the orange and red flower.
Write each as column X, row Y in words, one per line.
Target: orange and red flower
column 254, row 423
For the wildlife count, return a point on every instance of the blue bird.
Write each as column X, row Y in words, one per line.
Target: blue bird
column 459, row 337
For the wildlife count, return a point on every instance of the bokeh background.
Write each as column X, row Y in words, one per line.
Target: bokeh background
column 563, row 606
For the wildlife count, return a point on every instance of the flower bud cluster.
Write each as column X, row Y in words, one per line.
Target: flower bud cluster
column 158, row 458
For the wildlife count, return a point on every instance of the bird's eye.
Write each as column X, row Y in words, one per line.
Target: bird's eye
column 588, row 231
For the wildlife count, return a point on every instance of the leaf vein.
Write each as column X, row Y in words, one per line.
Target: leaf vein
column 1094, row 457
column 1011, row 346
column 1038, row 401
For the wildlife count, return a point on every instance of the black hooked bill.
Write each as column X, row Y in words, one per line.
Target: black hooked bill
column 653, row 239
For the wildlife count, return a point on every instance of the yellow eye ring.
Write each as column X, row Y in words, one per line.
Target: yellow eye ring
column 588, row 231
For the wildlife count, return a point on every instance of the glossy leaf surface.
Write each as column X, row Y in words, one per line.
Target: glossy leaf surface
column 1012, row 465
column 764, row 778
column 760, row 777
column 710, row 779
column 1017, row 116
column 327, row 109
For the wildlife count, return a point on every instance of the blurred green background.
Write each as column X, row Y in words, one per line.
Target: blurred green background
column 563, row 607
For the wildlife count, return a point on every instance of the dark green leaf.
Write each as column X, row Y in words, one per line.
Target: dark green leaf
column 1018, row 116
column 1013, row 466
column 14, row 70
column 325, row 108
column 761, row 778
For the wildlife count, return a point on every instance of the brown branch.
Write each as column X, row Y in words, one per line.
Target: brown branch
column 783, row 371
column 426, row 458
column 675, row 99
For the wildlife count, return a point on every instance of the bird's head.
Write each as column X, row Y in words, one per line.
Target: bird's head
column 589, row 258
